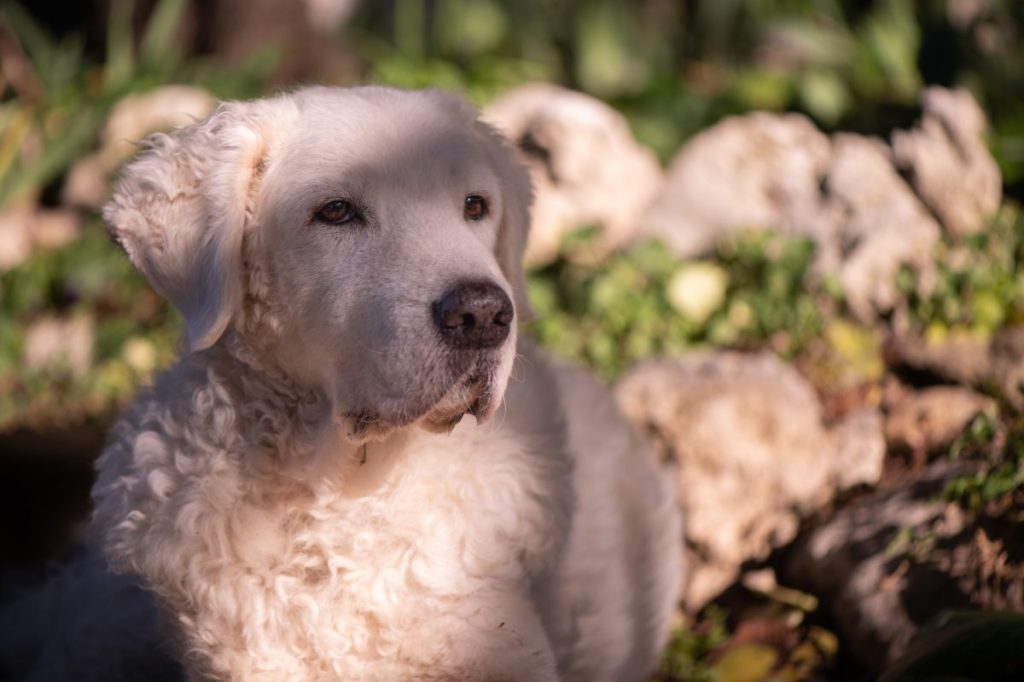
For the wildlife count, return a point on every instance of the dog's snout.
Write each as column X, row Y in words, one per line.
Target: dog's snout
column 474, row 315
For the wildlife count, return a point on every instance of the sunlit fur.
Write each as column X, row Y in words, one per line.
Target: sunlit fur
column 290, row 489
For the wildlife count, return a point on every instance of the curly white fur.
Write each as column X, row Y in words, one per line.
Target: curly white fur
column 289, row 489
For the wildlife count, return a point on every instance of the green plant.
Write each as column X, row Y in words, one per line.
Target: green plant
column 687, row 656
column 131, row 331
column 998, row 445
column 755, row 291
column 53, row 113
column 978, row 288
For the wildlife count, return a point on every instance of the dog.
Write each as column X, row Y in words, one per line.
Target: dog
column 358, row 470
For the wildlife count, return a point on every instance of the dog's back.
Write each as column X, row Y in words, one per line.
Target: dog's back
column 624, row 544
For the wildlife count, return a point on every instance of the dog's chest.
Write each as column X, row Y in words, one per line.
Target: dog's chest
column 360, row 575
column 445, row 515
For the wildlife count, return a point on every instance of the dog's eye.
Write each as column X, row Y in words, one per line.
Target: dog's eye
column 337, row 212
column 475, row 207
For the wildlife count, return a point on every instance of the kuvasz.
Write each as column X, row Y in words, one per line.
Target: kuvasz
column 304, row 491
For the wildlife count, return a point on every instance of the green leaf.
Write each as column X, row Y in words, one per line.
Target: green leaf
column 158, row 42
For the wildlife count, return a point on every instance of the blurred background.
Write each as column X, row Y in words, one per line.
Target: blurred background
column 786, row 232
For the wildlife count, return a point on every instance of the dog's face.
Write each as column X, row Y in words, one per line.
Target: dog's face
column 371, row 238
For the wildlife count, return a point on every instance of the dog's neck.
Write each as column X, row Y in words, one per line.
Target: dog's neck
column 290, row 430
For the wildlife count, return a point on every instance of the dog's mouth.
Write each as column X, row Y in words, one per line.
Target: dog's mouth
column 472, row 393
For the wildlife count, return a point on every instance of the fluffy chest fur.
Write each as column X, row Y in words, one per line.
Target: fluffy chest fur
column 333, row 565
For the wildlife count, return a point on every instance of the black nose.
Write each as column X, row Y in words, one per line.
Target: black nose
column 474, row 315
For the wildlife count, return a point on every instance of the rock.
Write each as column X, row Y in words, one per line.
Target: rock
column 1006, row 364
column 87, row 184
column 961, row 358
column 863, row 563
column 966, row 359
column 928, row 421
column 15, row 237
column 878, row 226
column 963, row 13
column 779, row 172
column 753, row 454
column 756, row 171
column 586, row 167
column 163, row 108
column 949, row 163
column 131, row 120
column 53, row 342
column 24, row 228
column 327, row 16
column 55, row 228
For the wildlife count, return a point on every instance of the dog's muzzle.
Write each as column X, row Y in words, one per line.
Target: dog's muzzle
column 474, row 316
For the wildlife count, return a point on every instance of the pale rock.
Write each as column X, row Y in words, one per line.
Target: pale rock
column 15, row 236
column 960, row 358
column 55, row 228
column 759, row 171
column 24, row 228
column 87, row 184
column 326, row 16
column 753, row 454
column 163, row 108
column 53, row 342
column 928, row 421
column 877, row 226
column 586, row 167
column 1006, row 364
column 131, row 120
column 949, row 163
column 978, row 361
column 778, row 172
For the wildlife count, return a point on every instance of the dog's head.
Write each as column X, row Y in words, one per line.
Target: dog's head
column 371, row 238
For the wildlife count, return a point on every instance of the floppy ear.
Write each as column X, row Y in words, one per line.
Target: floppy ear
column 515, row 217
column 180, row 210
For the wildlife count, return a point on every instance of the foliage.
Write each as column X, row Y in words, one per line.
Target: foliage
column 61, row 99
column 690, row 647
column 978, row 289
column 673, row 68
column 135, row 332
column 998, row 445
column 626, row 308
column 676, row 67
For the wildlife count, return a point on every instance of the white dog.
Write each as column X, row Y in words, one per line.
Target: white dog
column 300, row 490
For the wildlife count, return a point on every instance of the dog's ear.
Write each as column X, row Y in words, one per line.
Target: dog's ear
column 515, row 217
column 180, row 209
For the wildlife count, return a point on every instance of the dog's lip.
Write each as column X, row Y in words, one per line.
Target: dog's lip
column 441, row 417
column 467, row 395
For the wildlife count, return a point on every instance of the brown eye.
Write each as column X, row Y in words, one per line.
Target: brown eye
column 337, row 212
column 475, row 207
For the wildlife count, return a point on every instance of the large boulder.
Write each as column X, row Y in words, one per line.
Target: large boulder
column 25, row 228
column 928, row 421
column 132, row 119
column 996, row 363
column 890, row 562
column 948, row 161
column 586, row 167
column 847, row 193
column 753, row 454
column 756, row 171
column 873, row 226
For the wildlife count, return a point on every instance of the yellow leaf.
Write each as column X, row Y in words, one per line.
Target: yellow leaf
column 746, row 663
